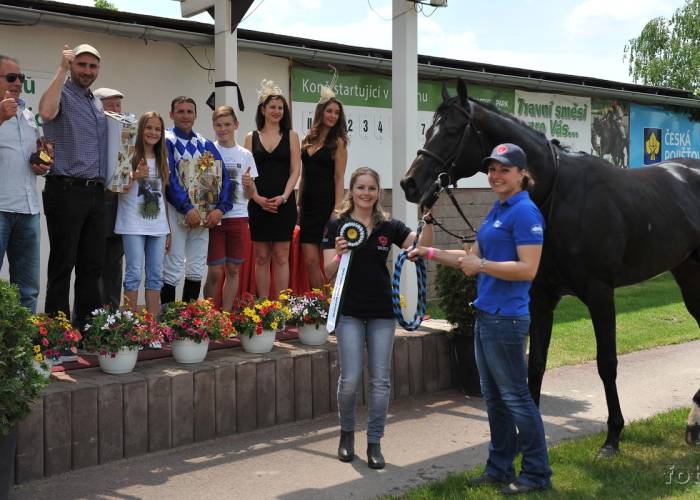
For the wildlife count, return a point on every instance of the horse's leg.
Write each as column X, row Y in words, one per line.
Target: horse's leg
column 601, row 305
column 687, row 275
column 542, row 304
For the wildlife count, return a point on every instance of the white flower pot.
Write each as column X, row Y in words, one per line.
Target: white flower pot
column 42, row 368
column 123, row 361
column 313, row 334
column 188, row 351
column 259, row 344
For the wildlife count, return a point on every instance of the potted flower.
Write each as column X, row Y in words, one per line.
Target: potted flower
column 20, row 383
column 52, row 335
column 189, row 326
column 309, row 313
column 257, row 320
column 117, row 336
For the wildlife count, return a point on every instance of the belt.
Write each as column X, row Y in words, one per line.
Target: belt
column 75, row 181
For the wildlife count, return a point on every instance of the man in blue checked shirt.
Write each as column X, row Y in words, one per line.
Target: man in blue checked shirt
column 74, row 193
column 187, row 255
column 19, row 202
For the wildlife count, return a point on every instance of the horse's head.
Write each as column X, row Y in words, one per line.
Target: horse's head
column 445, row 150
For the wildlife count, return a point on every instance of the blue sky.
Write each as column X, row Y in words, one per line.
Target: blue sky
column 579, row 37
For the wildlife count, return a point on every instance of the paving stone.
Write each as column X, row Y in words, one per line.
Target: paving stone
column 84, row 446
column 415, row 365
column 159, row 411
column 303, row 397
column 284, row 390
column 430, row 369
column 246, row 392
column 444, row 361
column 225, row 382
column 265, row 393
column 110, row 425
column 320, row 383
column 401, row 376
column 182, row 410
column 204, row 405
column 29, row 458
column 135, row 401
column 57, row 433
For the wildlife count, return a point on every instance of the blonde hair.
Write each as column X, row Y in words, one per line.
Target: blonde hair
column 158, row 148
column 224, row 111
column 378, row 215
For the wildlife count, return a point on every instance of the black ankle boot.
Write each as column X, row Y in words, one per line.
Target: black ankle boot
column 167, row 294
column 191, row 290
column 346, row 448
column 375, row 459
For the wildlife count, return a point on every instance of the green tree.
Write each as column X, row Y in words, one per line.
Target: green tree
column 667, row 51
column 104, row 4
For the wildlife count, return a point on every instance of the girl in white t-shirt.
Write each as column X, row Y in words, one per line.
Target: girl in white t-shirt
column 141, row 217
column 229, row 242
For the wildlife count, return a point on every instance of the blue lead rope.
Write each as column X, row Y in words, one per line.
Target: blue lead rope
column 422, row 276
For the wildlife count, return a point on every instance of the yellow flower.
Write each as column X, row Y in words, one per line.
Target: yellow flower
column 37, row 349
column 273, row 325
column 39, row 357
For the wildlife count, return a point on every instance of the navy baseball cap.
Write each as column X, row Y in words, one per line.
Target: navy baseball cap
column 508, row 154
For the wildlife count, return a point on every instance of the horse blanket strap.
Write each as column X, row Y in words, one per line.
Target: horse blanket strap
column 422, row 276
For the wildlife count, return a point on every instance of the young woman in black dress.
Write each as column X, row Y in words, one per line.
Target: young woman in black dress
column 272, row 209
column 324, row 155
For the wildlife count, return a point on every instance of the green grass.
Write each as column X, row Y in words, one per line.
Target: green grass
column 642, row 470
column 649, row 314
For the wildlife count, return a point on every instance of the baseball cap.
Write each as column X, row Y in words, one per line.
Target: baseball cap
column 84, row 48
column 106, row 93
column 508, row 154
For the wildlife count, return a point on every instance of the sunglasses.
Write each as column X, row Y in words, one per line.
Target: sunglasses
column 11, row 77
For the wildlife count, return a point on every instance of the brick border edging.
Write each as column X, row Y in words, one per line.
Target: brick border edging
column 86, row 417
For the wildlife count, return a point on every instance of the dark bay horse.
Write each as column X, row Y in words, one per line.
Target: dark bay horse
column 608, row 139
column 605, row 227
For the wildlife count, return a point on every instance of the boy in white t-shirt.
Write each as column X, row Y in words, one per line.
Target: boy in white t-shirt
column 229, row 242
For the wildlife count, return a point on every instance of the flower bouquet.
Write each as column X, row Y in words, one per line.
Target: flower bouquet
column 117, row 336
column 256, row 320
column 309, row 313
column 52, row 335
column 189, row 326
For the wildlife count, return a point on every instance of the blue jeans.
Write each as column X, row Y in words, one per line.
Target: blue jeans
column 19, row 238
column 353, row 334
column 137, row 249
column 500, row 356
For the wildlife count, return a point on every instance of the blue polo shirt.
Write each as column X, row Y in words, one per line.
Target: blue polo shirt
column 516, row 221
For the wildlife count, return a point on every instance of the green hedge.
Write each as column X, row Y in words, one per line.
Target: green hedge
column 455, row 292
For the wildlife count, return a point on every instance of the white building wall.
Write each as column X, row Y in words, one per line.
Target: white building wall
column 148, row 74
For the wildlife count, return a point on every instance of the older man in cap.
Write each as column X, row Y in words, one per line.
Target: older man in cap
column 74, row 192
column 111, row 281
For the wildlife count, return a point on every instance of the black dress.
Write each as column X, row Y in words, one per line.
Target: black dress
column 273, row 174
column 318, row 198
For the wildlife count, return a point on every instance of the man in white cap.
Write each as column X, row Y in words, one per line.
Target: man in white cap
column 111, row 280
column 74, row 192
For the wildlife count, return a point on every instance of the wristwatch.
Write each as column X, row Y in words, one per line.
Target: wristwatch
column 284, row 199
column 483, row 264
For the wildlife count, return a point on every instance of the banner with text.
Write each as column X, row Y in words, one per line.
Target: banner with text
column 563, row 117
column 658, row 134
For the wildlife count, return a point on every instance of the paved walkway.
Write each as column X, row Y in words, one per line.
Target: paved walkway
column 426, row 438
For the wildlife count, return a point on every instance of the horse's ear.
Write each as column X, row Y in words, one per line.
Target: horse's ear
column 445, row 93
column 462, row 91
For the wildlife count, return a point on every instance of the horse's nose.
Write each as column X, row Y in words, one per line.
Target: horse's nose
column 410, row 189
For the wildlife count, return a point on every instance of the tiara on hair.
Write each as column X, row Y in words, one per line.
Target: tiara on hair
column 327, row 90
column 268, row 88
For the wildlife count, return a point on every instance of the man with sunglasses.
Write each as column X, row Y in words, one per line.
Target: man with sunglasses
column 19, row 201
column 74, row 193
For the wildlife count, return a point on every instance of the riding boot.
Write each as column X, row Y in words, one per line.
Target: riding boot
column 191, row 290
column 375, row 459
column 167, row 294
column 346, row 448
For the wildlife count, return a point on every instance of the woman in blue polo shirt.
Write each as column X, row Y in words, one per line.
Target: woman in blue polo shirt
column 505, row 257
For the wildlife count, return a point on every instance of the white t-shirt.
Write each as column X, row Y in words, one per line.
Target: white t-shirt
column 236, row 160
column 141, row 210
